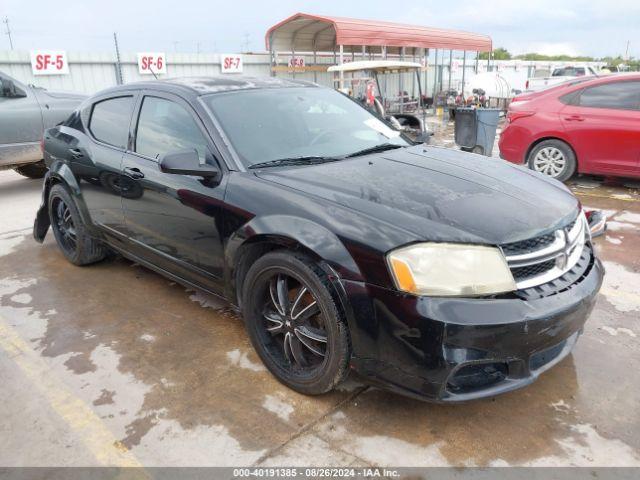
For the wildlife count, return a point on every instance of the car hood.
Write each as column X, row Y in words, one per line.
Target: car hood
column 439, row 194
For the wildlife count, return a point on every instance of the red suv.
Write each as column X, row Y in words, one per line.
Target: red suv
column 586, row 125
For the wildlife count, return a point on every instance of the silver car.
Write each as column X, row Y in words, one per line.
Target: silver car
column 25, row 112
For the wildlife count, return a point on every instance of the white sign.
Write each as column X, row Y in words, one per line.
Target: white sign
column 231, row 63
column 455, row 65
column 296, row 62
column 49, row 62
column 151, row 62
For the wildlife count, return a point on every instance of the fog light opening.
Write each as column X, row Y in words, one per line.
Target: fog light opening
column 477, row 376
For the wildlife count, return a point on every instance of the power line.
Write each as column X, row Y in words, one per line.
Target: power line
column 8, row 31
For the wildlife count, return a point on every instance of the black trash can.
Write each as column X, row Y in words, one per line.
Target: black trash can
column 475, row 129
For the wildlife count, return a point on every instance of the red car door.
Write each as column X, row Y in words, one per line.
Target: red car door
column 602, row 124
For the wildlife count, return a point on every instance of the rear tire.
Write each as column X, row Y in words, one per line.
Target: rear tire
column 295, row 323
column 70, row 232
column 553, row 158
column 32, row 170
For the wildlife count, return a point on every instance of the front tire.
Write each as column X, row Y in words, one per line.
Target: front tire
column 553, row 158
column 32, row 170
column 295, row 323
column 76, row 244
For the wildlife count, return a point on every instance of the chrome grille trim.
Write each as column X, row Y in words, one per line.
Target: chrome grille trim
column 566, row 250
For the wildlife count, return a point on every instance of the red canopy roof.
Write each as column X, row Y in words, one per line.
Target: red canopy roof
column 304, row 32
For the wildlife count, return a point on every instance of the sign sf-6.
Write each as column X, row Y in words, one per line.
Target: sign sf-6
column 150, row 63
column 49, row 62
column 231, row 63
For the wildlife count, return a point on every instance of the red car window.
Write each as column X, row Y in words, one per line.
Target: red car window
column 615, row 95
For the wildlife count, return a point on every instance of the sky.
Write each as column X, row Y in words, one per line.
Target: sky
column 595, row 28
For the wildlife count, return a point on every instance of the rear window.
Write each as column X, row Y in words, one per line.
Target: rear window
column 109, row 121
column 568, row 72
column 616, row 95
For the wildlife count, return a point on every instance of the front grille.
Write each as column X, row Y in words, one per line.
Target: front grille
column 530, row 245
column 563, row 283
column 522, row 273
column 541, row 259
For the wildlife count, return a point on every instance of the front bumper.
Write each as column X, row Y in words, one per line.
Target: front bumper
column 459, row 349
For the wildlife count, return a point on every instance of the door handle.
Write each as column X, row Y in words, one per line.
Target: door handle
column 76, row 153
column 134, row 173
column 574, row 118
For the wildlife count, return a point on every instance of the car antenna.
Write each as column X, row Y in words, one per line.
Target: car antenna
column 154, row 73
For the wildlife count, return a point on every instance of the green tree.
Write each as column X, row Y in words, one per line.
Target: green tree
column 498, row 54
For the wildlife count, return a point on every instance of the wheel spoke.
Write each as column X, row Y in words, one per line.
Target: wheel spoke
column 296, row 350
column 273, row 291
column 307, row 312
column 301, row 293
column 305, row 335
column 60, row 210
column 283, row 294
column 275, row 323
column 287, row 347
column 311, row 333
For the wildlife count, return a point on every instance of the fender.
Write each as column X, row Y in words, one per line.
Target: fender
column 296, row 232
column 59, row 172
column 293, row 230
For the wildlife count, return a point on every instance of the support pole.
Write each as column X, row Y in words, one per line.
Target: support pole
column 341, row 62
column 477, row 61
column 272, row 57
column 119, row 79
column 401, row 83
column 426, row 73
column 315, row 60
column 464, row 65
column 450, row 61
column 435, row 78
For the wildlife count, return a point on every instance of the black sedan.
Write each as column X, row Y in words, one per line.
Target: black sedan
column 438, row 274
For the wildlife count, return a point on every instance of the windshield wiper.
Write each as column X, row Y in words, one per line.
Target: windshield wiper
column 307, row 160
column 378, row 148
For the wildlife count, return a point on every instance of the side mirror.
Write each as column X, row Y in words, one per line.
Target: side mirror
column 187, row 162
column 10, row 90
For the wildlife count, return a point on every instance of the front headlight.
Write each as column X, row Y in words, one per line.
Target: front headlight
column 450, row 269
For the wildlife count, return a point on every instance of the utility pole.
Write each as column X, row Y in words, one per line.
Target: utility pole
column 245, row 44
column 626, row 53
column 118, row 64
column 8, row 31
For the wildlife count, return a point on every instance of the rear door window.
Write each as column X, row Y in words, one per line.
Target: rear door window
column 615, row 95
column 165, row 126
column 109, row 121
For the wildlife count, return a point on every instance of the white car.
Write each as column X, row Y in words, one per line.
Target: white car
column 558, row 75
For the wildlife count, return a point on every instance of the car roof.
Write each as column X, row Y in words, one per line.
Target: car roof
column 608, row 77
column 197, row 86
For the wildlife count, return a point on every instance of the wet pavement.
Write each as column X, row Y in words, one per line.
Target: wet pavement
column 114, row 365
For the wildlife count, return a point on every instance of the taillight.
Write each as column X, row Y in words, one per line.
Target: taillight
column 512, row 116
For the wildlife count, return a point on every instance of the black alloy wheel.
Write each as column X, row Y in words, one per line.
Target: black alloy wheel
column 76, row 244
column 293, row 319
column 294, row 322
column 64, row 225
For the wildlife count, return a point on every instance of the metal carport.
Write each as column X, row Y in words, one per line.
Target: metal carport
column 309, row 33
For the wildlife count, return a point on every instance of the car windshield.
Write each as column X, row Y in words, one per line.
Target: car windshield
column 267, row 125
